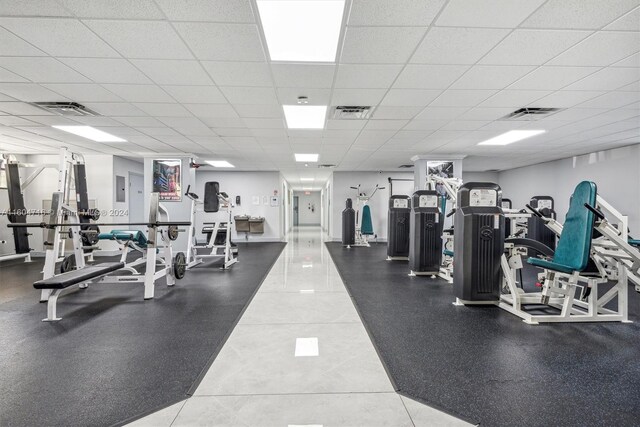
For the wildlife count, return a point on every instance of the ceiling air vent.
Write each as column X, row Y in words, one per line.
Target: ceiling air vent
column 533, row 113
column 405, row 166
column 66, row 108
column 326, row 166
column 350, row 112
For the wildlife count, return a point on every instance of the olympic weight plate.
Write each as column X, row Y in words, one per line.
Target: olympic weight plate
column 68, row 264
column 179, row 265
column 173, row 232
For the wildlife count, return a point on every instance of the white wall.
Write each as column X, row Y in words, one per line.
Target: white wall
column 308, row 207
column 246, row 185
column 480, row 177
column 616, row 173
column 342, row 181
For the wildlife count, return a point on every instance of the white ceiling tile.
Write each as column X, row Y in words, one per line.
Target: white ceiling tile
column 355, row 76
column 53, row 119
column 607, row 79
column 141, row 39
column 211, row 110
column 124, row 9
column 258, row 123
column 410, row 97
column 464, row 125
column 597, row 49
column 158, row 131
column 115, row 109
column 381, row 45
column 552, row 78
column 629, row 61
column 440, row 113
column 107, row 70
column 484, row 113
column 139, row 93
column 42, row 70
column 269, row 133
column 196, row 94
column 223, row 42
column 629, row 22
column 565, row 99
column 72, row 37
column 490, row 77
column 357, row 96
column 264, row 111
column 345, row 124
column 250, row 95
column 425, row 125
column 532, row 47
column 163, row 109
column 31, row 8
column 429, row 76
column 84, row 92
column 15, row 121
column 514, row 98
column 9, row 77
column 461, row 98
column 488, row 13
column 340, row 133
column 589, row 14
column 303, row 75
column 207, row 10
column 633, row 86
column 173, row 72
column 289, row 95
column 384, row 112
column 239, row 73
column 139, row 122
column 233, row 132
column 385, row 124
column 29, row 92
column 222, row 122
column 456, row 45
column 383, row 12
column 12, row 45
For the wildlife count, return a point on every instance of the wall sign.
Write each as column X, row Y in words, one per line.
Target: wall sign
column 167, row 179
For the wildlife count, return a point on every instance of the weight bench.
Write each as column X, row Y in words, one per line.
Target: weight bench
column 63, row 281
column 136, row 237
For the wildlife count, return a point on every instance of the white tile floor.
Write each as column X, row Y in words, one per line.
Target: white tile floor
column 257, row 379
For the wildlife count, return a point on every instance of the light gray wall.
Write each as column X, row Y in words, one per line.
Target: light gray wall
column 246, row 185
column 122, row 167
column 307, row 216
column 480, row 177
column 616, row 173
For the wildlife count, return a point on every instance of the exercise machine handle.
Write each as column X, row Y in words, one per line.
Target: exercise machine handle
column 598, row 213
column 186, row 193
column 451, row 213
column 534, row 211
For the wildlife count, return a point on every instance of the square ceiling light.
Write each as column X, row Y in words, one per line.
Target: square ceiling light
column 307, row 179
column 305, row 116
column 220, row 164
column 511, row 137
column 302, row 31
column 90, row 133
column 306, row 157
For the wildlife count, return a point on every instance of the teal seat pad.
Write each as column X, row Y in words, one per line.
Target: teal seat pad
column 634, row 242
column 367, row 225
column 447, row 252
column 574, row 245
column 136, row 236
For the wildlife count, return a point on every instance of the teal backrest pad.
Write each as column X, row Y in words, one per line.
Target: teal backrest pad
column 575, row 241
column 367, row 225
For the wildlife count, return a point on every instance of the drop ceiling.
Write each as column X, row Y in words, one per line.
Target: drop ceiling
column 171, row 78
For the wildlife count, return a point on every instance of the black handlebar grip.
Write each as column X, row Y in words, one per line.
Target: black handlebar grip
column 186, row 193
column 451, row 213
column 535, row 211
column 595, row 211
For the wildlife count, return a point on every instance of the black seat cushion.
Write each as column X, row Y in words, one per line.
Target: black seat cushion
column 70, row 278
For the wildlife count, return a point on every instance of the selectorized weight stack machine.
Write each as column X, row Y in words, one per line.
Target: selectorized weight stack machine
column 398, row 228
column 425, row 248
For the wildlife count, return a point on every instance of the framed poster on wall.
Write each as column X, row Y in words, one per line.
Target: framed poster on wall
column 167, row 179
column 441, row 169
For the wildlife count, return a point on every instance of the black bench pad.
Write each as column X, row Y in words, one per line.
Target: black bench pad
column 70, row 278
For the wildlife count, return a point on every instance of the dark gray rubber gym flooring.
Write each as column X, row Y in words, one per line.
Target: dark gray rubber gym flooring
column 114, row 356
column 485, row 365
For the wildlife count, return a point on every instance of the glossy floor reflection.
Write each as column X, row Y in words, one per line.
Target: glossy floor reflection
column 299, row 356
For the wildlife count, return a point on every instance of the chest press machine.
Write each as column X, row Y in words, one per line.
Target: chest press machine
column 218, row 233
column 158, row 252
column 592, row 251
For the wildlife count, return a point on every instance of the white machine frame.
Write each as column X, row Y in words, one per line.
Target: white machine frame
column 362, row 199
column 615, row 260
column 229, row 253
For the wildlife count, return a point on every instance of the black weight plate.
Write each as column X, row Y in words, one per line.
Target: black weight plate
column 179, row 265
column 68, row 264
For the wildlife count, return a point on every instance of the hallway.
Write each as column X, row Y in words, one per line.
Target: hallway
column 300, row 356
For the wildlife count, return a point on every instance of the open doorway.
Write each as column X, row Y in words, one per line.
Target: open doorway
column 136, row 197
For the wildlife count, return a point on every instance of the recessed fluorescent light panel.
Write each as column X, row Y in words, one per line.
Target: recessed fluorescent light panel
column 306, row 157
column 511, row 137
column 90, row 133
column 305, row 116
column 302, row 31
column 220, row 164
column 307, row 179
